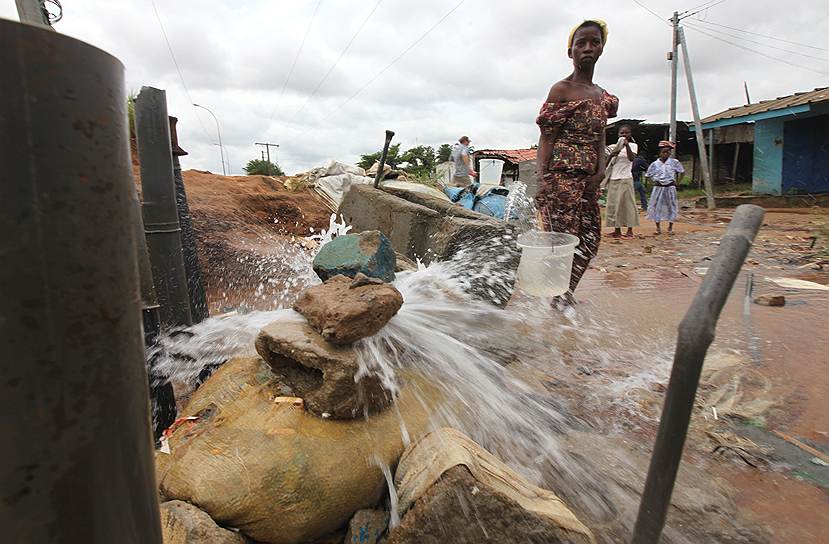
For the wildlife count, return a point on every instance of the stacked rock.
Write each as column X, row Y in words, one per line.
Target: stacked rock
column 316, row 359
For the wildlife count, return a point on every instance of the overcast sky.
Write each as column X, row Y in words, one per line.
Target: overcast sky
column 483, row 71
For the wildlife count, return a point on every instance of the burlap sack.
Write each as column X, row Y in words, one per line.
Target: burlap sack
column 256, row 460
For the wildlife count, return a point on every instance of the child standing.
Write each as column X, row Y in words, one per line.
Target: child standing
column 663, row 205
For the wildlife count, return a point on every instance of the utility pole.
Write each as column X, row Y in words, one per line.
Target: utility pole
column 219, row 132
column 268, row 151
column 673, row 59
column 689, row 76
column 748, row 98
column 33, row 12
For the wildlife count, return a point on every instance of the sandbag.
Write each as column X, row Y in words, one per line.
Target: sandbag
column 256, row 460
column 336, row 168
column 334, row 187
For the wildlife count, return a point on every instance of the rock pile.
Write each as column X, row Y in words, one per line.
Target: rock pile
column 315, row 359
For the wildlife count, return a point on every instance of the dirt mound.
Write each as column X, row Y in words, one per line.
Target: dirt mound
column 244, row 227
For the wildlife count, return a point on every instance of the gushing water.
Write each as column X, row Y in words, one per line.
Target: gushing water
column 515, row 380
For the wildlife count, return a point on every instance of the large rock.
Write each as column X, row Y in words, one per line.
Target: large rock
column 369, row 252
column 367, row 527
column 452, row 490
column 183, row 523
column 323, row 374
column 343, row 310
column 255, row 460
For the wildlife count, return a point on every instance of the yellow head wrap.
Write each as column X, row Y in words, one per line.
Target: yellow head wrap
column 602, row 25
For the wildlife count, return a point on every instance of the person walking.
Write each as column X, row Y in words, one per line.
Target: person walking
column 462, row 163
column 571, row 149
column 639, row 167
column 621, row 204
column 663, row 171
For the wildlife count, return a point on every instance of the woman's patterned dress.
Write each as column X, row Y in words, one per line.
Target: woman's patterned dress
column 562, row 198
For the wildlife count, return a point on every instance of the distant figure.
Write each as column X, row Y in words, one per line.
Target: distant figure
column 663, row 171
column 461, row 161
column 639, row 167
column 571, row 150
column 621, row 203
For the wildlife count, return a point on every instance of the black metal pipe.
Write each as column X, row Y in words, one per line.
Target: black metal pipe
column 379, row 175
column 78, row 461
column 195, row 289
column 160, row 211
column 696, row 332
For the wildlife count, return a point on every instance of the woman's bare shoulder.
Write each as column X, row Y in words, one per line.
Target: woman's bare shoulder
column 561, row 91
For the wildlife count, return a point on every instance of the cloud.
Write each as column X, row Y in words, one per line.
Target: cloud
column 484, row 71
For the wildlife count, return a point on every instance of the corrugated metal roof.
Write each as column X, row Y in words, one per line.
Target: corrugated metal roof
column 820, row 94
column 511, row 155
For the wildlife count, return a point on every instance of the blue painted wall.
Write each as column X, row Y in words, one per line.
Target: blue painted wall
column 768, row 157
column 806, row 155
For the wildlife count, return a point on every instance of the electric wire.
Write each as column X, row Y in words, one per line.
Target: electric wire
column 799, row 53
column 178, row 69
column 702, row 7
column 342, row 54
column 298, row 52
column 759, row 52
column 401, row 55
column 761, row 35
column 652, row 12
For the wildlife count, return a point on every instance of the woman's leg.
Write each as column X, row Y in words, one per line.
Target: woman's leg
column 658, row 228
column 590, row 234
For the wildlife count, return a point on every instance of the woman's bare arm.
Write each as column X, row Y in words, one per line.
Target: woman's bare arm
column 545, row 152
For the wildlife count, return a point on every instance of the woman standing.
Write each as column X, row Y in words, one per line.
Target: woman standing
column 571, row 158
column 663, row 171
column 621, row 203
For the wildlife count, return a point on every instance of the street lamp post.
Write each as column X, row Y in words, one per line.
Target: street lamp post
column 219, row 132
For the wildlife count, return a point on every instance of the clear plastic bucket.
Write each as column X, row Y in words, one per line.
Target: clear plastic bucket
column 489, row 174
column 546, row 262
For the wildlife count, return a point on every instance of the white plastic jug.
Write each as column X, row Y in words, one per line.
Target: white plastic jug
column 489, row 174
column 546, row 262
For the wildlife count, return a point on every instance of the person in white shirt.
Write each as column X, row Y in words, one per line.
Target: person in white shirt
column 663, row 205
column 621, row 201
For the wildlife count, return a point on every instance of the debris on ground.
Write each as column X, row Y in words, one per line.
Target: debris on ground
column 367, row 527
column 770, row 300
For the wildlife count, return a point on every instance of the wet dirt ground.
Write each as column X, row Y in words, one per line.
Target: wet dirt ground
column 773, row 392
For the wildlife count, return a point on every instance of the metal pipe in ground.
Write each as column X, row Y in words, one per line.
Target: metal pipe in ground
column 379, row 175
column 161, row 221
column 78, row 462
column 696, row 332
column 195, row 288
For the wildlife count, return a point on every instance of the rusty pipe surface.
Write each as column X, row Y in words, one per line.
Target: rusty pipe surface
column 696, row 332
column 77, row 465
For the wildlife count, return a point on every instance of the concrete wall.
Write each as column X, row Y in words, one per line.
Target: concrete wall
column 768, row 157
column 482, row 249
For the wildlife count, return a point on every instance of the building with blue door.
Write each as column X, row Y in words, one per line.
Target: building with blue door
column 788, row 139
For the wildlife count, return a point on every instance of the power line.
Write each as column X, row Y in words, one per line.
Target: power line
column 342, row 54
column 400, row 56
column 824, row 59
column 299, row 51
column 759, row 52
column 175, row 62
column 763, row 35
column 652, row 12
column 702, row 7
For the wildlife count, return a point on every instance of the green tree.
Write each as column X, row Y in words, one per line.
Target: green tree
column 393, row 158
column 260, row 167
column 421, row 161
column 444, row 152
